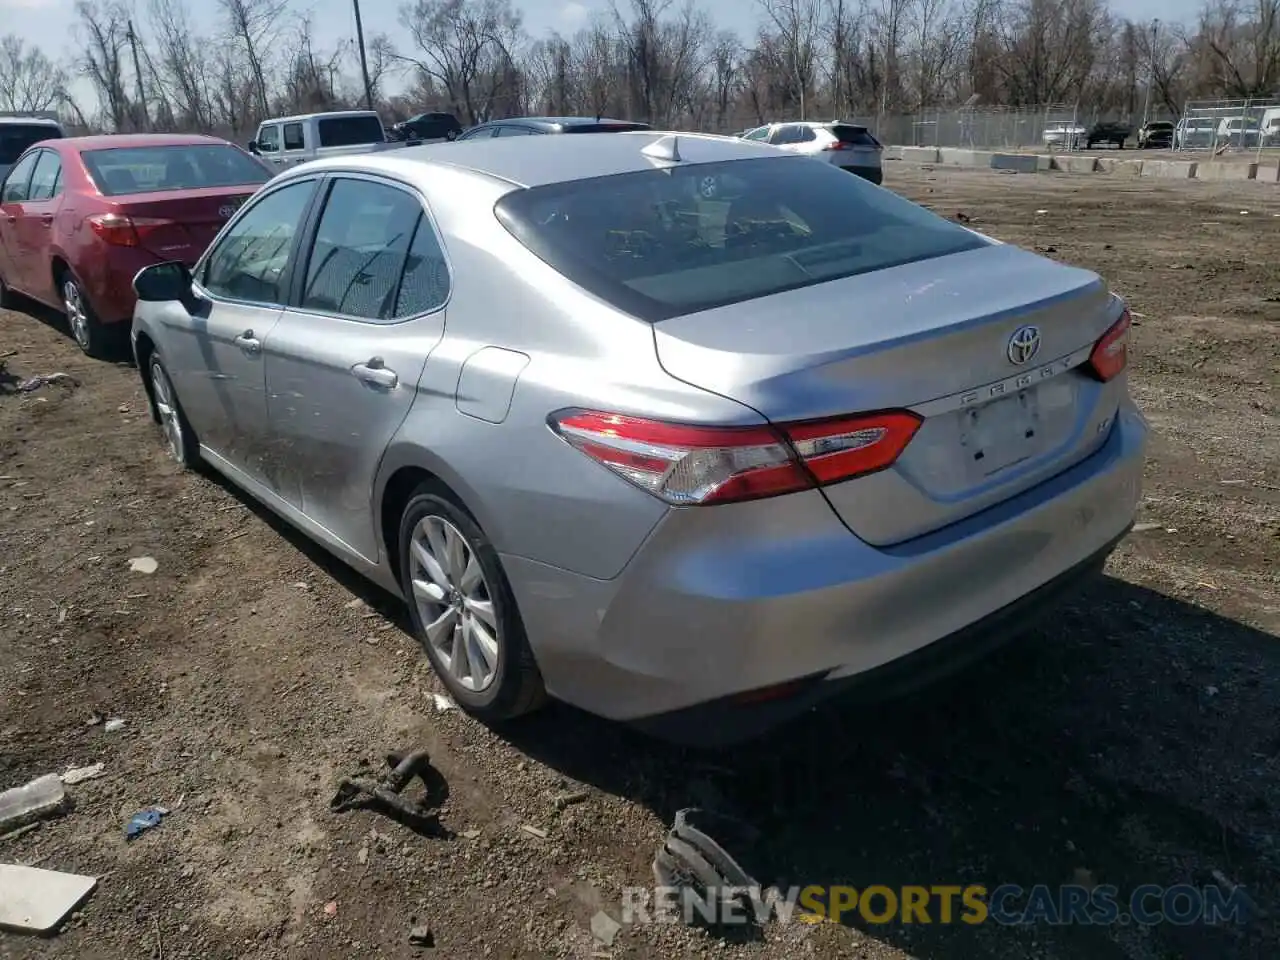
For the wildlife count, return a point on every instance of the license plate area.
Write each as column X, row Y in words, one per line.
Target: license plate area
column 999, row 434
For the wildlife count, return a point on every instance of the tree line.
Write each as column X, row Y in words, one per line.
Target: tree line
column 656, row 60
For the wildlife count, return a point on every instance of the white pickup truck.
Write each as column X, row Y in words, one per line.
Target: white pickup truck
column 286, row 141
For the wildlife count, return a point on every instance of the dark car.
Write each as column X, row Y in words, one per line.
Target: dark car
column 1108, row 131
column 524, row 126
column 1156, row 135
column 427, row 126
column 79, row 217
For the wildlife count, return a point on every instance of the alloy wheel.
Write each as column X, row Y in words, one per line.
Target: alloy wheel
column 170, row 422
column 73, row 303
column 454, row 603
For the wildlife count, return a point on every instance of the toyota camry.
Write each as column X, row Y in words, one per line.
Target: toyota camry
column 683, row 430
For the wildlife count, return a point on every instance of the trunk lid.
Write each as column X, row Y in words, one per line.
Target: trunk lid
column 180, row 224
column 932, row 336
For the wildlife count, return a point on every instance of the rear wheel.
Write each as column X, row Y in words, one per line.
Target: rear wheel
column 463, row 611
column 178, row 435
column 94, row 338
column 6, row 295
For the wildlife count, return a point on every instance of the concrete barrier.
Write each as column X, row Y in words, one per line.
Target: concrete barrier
column 1226, row 171
column 920, row 154
column 965, row 158
column 1070, row 164
column 1120, row 168
column 1268, row 174
column 1169, row 169
column 892, row 153
column 1019, row 162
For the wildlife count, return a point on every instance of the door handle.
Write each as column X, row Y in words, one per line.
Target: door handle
column 248, row 342
column 376, row 373
column 46, row 218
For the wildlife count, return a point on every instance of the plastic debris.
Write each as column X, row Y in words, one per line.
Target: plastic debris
column 114, row 726
column 690, row 858
column 355, row 793
column 534, row 831
column 143, row 564
column 442, row 702
column 35, row 383
column 331, row 908
column 141, row 822
column 422, row 936
column 80, row 774
column 604, row 928
column 40, row 799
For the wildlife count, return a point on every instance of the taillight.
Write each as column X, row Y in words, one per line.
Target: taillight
column 687, row 465
column 1110, row 354
column 122, row 231
column 836, row 145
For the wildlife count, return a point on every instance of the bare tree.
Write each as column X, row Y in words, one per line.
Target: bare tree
column 1243, row 44
column 253, row 26
column 29, row 81
column 180, row 60
column 798, row 23
column 467, row 47
column 105, row 30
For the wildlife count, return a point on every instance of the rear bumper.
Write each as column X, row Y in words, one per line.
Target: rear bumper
column 725, row 600
column 109, row 282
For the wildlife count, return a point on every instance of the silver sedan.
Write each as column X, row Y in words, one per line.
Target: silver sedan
column 683, row 430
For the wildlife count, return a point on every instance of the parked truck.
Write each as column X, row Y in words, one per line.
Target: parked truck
column 286, row 141
column 20, row 130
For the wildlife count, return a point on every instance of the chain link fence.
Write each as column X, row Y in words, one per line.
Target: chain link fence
column 1237, row 127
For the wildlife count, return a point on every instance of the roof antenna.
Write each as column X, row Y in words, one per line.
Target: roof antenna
column 665, row 148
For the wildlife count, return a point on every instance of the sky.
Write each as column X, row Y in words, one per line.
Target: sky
column 51, row 24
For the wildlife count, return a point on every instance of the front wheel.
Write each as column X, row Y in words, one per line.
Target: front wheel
column 463, row 611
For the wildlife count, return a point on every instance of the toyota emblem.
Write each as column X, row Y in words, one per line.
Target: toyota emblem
column 708, row 187
column 1023, row 345
column 226, row 210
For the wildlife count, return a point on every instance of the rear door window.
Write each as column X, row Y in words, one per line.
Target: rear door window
column 510, row 130
column 661, row 243
column 350, row 131
column 15, row 184
column 45, row 179
column 359, row 250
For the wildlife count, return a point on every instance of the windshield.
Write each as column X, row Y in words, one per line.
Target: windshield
column 123, row 170
column 350, row 131
column 16, row 137
column 665, row 242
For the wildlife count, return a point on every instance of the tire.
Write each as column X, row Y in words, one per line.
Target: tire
column 181, row 440
column 90, row 334
column 479, row 650
column 6, row 295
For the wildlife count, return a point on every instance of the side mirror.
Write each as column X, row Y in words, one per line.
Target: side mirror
column 254, row 148
column 163, row 282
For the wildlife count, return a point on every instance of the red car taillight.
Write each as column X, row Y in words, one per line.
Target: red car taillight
column 121, row 231
column 692, row 465
column 836, row 145
column 1110, row 354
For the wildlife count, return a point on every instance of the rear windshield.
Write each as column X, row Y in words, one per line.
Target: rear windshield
column 122, row 170
column 16, row 137
column 604, row 127
column 350, row 131
column 854, row 136
column 665, row 242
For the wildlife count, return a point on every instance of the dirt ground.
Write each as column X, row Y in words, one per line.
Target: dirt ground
column 1134, row 738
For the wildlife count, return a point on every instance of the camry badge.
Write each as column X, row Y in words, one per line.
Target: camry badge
column 1023, row 345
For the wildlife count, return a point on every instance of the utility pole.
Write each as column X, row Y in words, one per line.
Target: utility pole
column 364, row 64
column 1151, row 71
column 137, row 73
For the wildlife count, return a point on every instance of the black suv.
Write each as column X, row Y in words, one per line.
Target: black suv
column 1108, row 131
column 428, row 126
column 523, row 126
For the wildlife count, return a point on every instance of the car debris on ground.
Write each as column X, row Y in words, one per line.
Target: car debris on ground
column 37, row 901
column 385, row 793
column 142, row 821
column 690, row 859
column 40, row 799
column 80, row 774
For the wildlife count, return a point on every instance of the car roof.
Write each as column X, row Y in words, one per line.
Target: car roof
column 554, row 121
column 30, row 121
column 322, row 115
column 537, row 161
column 108, row 141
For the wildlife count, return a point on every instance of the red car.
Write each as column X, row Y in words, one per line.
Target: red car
column 79, row 217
